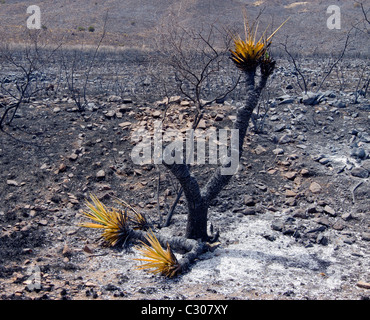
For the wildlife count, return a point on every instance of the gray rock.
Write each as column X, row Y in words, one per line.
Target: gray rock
column 366, row 236
column 114, row 98
column 323, row 240
column 311, row 98
column 365, row 107
column 280, row 127
column 285, row 139
column 249, row 212
column 323, row 221
column 249, row 201
column 287, row 101
column 366, row 165
column 329, row 210
column 339, row 104
column 347, row 216
column 365, row 137
column 12, row 183
column 278, row 151
column 330, row 94
column 277, row 225
column 324, row 161
column 360, row 172
column 358, row 153
column 339, row 225
column 100, row 174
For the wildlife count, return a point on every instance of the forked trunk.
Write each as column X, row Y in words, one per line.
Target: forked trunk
column 198, row 200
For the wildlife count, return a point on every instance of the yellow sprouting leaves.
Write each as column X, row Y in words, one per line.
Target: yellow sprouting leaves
column 137, row 220
column 116, row 225
column 114, row 222
column 247, row 53
column 160, row 260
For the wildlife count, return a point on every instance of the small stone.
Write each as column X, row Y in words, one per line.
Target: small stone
column 90, row 284
column 156, row 114
column 125, row 124
column 278, row 151
column 323, row 221
column 300, row 213
column 249, row 212
column 219, row 117
column 110, row 114
column 43, row 222
column 202, row 124
column 360, row 172
column 329, row 210
column 304, row 172
column 87, row 249
column 324, row 161
column 277, row 226
column 285, row 139
column 363, row 284
column 114, row 98
column 73, row 157
column 126, row 100
column 290, row 193
column 280, row 127
column 339, row 225
column 261, row 186
column 12, row 183
column 259, row 150
column 175, row 99
column 56, row 110
column 62, row 167
column 347, row 216
column 323, row 240
column 100, row 174
column 366, row 236
column 66, row 251
column 249, row 201
column 290, row 201
column 315, row 187
column 290, row 175
column 358, row 153
column 111, row 287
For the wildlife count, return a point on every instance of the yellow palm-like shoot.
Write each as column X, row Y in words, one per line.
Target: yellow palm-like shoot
column 248, row 53
column 113, row 221
column 160, row 260
column 137, row 219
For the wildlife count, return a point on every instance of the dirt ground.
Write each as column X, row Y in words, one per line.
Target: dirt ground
column 293, row 222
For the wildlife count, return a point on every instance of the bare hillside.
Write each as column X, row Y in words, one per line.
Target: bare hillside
column 134, row 23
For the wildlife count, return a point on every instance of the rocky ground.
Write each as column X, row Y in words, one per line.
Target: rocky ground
column 294, row 221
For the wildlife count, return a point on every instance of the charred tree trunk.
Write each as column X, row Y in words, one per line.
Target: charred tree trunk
column 198, row 200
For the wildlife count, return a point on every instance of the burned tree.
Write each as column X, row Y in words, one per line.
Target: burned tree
column 253, row 59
